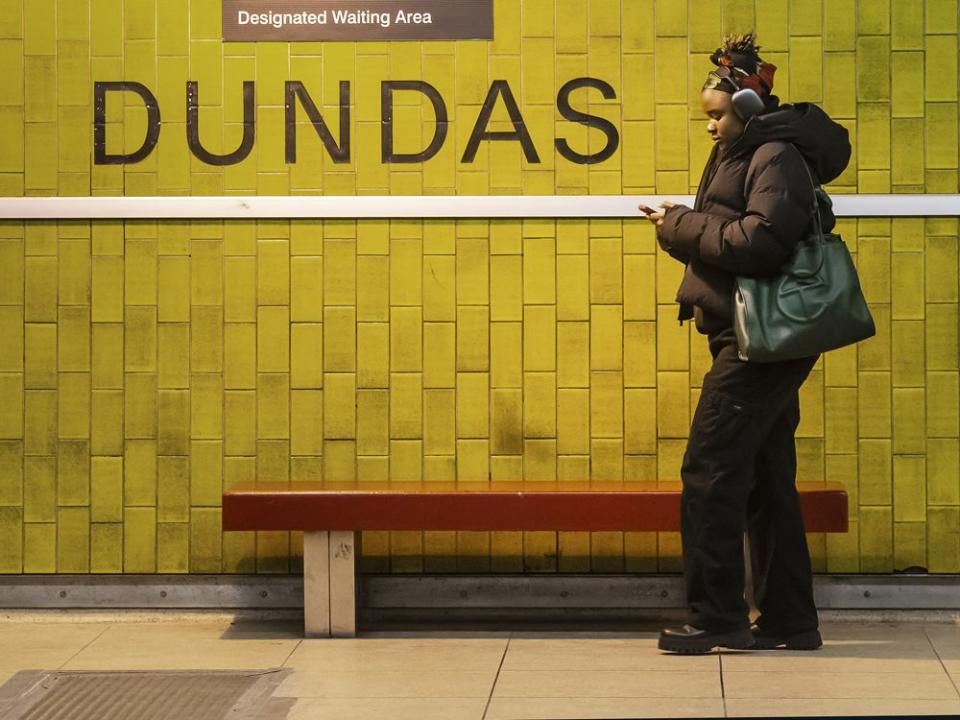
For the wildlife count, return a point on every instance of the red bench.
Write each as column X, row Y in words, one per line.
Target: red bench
column 332, row 514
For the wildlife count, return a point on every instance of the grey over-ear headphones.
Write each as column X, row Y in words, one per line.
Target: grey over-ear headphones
column 746, row 103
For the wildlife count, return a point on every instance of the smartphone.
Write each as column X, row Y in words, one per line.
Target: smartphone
column 646, row 209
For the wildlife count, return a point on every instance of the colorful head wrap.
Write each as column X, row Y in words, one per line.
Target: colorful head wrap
column 745, row 69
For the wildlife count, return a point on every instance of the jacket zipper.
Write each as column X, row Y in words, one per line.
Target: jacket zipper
column 686, row 311
column 713, row 164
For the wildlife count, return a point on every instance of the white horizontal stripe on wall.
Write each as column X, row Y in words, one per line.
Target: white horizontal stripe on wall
column 420, row 206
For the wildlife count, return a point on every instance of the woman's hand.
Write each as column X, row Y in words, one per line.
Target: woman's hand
column 654, row 216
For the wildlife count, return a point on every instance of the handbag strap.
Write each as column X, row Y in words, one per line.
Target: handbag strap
column 813, row 184
column 816, row 220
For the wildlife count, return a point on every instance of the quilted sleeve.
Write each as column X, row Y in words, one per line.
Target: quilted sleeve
column 778, row 213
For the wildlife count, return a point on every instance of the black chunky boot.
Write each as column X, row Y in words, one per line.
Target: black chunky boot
column 690, row 640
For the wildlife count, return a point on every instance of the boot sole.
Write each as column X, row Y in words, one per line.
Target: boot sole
column 801, row 641
column 739, row 640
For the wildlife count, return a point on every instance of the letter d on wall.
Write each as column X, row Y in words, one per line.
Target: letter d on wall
column 100, row 90
column 387, row 88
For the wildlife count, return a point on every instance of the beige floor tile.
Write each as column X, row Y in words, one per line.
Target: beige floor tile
column 953, row 669
column 867, row 653
column 790, row 662
column 584, row 709
column 852, row 685
column 389, row 708
column 945, row 639
column 387, row 684
column 180, row 647
column 606, row 684
column 902, row 634
column 826, row 708
column 601, row 654
column 42, row 646
column 376, row 654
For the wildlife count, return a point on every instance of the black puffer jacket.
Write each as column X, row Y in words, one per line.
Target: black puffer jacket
column 753, row 205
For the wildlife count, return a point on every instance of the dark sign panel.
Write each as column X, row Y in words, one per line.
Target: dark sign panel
column 312, row 20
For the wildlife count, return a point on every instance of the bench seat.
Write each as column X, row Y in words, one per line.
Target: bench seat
column 331, row 514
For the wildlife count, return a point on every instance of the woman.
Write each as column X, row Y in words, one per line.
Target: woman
column 753, row 205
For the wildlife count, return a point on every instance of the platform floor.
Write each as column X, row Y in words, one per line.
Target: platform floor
column 863, row 669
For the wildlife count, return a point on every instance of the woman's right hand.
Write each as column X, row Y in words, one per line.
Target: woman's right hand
column 656, row 216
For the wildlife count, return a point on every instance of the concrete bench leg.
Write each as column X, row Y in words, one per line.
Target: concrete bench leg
column 329, row 583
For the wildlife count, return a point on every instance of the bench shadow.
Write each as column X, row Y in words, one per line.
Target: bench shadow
column 246, row 628
column 479, row 623
column 841, row 640
column 514, row 622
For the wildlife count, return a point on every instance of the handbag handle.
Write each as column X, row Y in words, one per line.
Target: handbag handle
column 816, row 204
column 816, row 221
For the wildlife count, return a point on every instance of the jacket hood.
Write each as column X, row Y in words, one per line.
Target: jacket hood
column 823, row 142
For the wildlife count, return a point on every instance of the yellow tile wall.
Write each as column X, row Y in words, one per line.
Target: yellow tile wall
column 145, row 366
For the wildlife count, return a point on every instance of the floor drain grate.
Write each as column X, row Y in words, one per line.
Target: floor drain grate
column 136, row 695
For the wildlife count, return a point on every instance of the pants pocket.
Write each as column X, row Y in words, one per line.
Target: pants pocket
column 726, row 422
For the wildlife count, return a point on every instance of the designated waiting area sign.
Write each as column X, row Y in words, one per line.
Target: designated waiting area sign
column 356, row 20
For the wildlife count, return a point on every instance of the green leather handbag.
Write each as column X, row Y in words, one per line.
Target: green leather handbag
column 815, row 304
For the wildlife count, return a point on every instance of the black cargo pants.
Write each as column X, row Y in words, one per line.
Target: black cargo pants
column 739, row 473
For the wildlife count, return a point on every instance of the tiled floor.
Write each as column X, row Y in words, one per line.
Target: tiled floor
column 864, row 668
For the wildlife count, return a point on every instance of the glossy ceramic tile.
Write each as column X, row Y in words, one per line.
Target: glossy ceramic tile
column 851, row 685
column 392, row 708
column 606, row 684
column 601, row 654
column 380, row 654
column 42, row 646
column 585, row 709
column 388, row 684
column 187, row 647
column 826, row 708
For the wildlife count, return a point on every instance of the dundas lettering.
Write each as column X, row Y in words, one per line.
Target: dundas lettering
column 296, row 96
